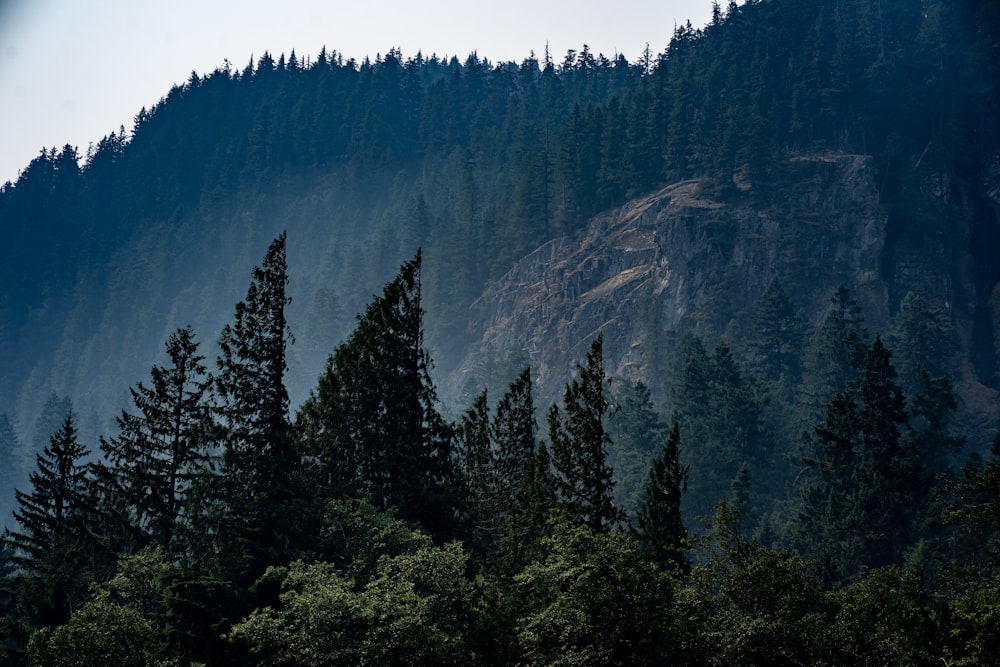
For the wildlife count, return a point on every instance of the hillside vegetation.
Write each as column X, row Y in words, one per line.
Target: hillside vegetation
column 780, row 478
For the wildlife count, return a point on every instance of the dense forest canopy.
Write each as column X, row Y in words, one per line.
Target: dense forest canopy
column 286, row 487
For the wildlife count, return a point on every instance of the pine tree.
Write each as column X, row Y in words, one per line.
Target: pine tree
column 921, row 337
column 637, row 432
column 890, row 480
column 834, row 356
column 160, row 447
column 54, row 545
column 583, row 480
column 477, row 464
column 777, row 335
column 520, row 540
column 514, row 433
column 52, row 417
column 861, row 509
column 721, row 416
column 258, row 458
column 660, row 527
column 373, row 427
column 828, row 521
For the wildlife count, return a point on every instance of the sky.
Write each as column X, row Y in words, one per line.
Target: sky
column 73, row 71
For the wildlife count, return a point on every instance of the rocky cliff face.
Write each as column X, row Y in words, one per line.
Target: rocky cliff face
column 675, row 261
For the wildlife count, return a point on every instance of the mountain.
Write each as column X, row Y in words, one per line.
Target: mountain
column 820, row 142
column 778, row 242
column 678, row 261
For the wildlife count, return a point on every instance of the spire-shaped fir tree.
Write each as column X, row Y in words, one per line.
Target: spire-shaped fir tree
column 660, row 528
column 161, row 446
column 373, row 426
column 258, row 457
column 583, row 479
column 54, row 544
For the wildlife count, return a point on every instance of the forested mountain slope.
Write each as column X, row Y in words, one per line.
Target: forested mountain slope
column 717, row 333
column 480, row 163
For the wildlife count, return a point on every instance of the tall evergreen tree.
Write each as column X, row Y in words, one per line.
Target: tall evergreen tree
column 162, row 446
column 835, row 354
column 777, row 335
column 890, row 486
column 373, row 426
column 54, row 544
column 258, row 457
column 660, row 527
column 477, row 464
column 637, row 432
column 583, row 480
column 721, row 414
column 862, row 507
column 921, row 337
column 52, row 417
column 828, row 521
column 514, row 432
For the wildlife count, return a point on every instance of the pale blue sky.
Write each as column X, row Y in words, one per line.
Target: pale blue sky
column 71, row 71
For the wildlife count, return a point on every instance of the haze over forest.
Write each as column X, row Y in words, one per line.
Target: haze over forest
column 692, row 358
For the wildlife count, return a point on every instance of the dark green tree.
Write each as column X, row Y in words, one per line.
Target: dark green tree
column 828, row 520
column 514, row 433
column 862, row 507
column 477, row 464
column 258, row 457
column 921, row 337
column 891, row 485
column 777, row 336
column 593, row 600
column 583, row 480
column 372, row 425
column 752, row 605
column 971, row 503
column 54, row 545
column 834, row 355
column 660, row 529
column 720, row 413
column 52, row 418
column 636, row 429
column 160, row 447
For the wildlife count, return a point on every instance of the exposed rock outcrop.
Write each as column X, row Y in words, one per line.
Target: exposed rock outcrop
column 675, row 261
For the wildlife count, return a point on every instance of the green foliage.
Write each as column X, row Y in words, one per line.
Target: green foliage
column 973, row 624
column 886, row 620
column 54, row 545
column 475, row 456
column 372, row 425
column 720, row 414
column 636, row 430
column 100, row 633
column 151, row 463
column 865, row 506
column 660, row 529
column 761, row 608
column 921, row 338
column 582, row 480
column 253, row 400
column 411, row 612
column 519, row 154
column 10, row 465
column 593, row 601
column 834, row 355
column 776, row 336
column 515, row 433
column 354, row 535
column 972, row 504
